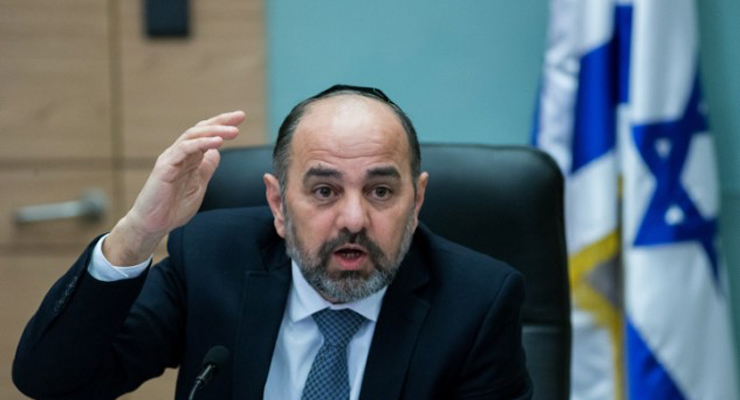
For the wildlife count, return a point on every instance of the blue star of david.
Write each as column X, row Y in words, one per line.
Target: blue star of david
column 670, row 193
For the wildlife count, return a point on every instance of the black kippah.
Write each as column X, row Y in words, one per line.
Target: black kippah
column 368, row 91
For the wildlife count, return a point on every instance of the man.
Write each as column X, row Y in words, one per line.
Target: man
column 426, row 319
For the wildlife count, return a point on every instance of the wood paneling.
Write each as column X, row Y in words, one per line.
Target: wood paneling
column 51, row 184
column 88, row 101
column 54, row 75
column 169, row 85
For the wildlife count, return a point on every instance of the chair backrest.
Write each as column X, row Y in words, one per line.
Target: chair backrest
column 505, row 201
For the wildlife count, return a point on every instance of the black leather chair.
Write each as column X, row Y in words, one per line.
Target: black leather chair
column 503, row 201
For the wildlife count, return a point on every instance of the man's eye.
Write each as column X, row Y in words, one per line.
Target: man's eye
column 381, row 192
column 323, row 192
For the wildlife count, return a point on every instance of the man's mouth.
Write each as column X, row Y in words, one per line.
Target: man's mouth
column 350, row 257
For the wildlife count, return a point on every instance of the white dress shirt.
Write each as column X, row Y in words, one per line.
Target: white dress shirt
column 299, row 338
column 101, row 269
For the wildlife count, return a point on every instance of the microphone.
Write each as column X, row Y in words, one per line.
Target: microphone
column 214, row 360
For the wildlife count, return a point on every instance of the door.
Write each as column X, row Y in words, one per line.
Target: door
column 87, row 103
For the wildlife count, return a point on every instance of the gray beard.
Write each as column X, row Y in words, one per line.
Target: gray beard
column 347, row 286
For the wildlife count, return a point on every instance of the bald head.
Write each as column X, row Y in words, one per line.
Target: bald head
column 342, row 103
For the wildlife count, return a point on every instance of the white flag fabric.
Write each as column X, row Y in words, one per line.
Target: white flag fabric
column 621, row 112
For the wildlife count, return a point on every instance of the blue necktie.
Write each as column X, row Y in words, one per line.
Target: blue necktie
column 328, row 378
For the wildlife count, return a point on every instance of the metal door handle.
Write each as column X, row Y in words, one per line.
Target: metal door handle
column 91, row 206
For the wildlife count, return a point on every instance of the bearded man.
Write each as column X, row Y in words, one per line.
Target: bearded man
column 334, row 292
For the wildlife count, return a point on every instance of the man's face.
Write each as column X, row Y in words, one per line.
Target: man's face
column 349, row 208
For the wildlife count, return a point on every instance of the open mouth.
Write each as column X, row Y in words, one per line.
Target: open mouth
column 350, row 256
column 350, row 253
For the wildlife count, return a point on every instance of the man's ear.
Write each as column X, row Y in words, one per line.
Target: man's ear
column 421, row 187
column 274, row 199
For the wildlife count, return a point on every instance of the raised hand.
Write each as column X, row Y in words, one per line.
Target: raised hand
column 174, row 191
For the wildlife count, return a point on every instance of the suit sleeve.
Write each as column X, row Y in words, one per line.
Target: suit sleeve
column 86, row 341
column 496, row 367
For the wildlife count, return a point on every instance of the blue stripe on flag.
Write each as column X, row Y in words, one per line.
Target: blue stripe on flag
column 603, row 82
column 648, row 380
column 623, row 37
column 594, row 126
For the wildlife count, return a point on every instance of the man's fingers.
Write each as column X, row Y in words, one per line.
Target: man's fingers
column 198, row 146
column 226, row 132
column 210, row 162
column 224, row 125
column 187, row 154
column 232, row 118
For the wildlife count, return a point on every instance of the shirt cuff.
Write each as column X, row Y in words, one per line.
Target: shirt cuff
column 101, row 269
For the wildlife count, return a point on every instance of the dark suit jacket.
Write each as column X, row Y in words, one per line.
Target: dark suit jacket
column 449, row 326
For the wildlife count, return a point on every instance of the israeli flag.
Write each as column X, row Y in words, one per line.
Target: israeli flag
column 622, row 113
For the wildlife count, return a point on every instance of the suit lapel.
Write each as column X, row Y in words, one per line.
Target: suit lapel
column 399, row 323
column 264, row 298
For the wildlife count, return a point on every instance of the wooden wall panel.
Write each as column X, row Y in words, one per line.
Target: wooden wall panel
column 50, row 185
column 54, row 75
column 88, row 101
column 168, row 85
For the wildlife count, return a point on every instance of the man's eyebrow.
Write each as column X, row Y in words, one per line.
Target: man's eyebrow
column 388, row 171
column 321, row 172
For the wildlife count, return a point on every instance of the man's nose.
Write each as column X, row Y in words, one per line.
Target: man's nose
column 353, row 213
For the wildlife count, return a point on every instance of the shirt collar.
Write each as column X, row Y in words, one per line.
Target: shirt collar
column 304, row 301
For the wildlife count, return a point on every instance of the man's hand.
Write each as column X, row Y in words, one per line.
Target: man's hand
column 174, row 191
